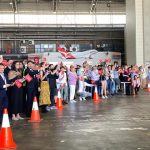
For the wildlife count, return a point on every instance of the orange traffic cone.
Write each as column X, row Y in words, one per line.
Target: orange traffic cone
column 148, row 88
column 95, row 96
column 35, row 115
column 6, row 137
column 59, row 100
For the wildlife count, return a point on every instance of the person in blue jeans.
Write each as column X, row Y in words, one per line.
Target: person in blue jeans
column 148, row 75
column 116, row 80
column 111, row 86
column 110, row 81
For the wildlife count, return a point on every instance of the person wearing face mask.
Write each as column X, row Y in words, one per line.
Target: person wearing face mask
column 3, row 89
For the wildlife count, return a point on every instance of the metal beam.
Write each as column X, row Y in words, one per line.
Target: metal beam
column 16, row 6
column 93, row 6
column 13, row 3
column 54, row 6
column 60, row 39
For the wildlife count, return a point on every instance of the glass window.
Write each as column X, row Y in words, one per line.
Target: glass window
column 42, row 46
column 45, row 45
column 37, row 46
column 42, row 50
column 62, row 19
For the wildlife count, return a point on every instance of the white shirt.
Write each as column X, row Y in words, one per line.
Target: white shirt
column 3, row 77
column 94, row 75
column 83, row 85
column 62, row 79
column 111, row 74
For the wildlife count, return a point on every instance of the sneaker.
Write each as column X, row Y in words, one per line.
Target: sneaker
column 80, row 98
column 53, row 108
column 48, row 108
column 20, row 118
column 84, row 98
column 65, row 102
column 103, row 97
column 72, row 101
column 106, row 97
column 15, row 119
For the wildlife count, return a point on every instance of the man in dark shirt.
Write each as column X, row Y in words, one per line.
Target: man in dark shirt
column 31, row 86
column 53, row 75
column 3, row 88
column 8, row 68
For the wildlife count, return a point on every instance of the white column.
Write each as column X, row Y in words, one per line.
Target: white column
column 139, row 32
column 134, row 32
column 146, row 8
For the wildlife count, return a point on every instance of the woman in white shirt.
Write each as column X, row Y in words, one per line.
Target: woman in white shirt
column 62, row 85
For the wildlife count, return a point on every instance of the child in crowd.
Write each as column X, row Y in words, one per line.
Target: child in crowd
column 82, row 92
column 103, row 86
column 136, row 84
column 82, row 86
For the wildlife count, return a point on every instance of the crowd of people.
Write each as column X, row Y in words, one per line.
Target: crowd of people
column 21, row 81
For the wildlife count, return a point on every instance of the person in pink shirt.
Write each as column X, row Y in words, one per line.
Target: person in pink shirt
column 72, row 79
column 136, row 84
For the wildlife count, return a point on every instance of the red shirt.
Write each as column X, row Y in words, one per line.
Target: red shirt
column 100, row 72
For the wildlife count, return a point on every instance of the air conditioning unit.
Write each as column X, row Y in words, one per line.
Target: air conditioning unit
column 23, row 49
column 23, row 42
column 31, row 42
column 74, row 48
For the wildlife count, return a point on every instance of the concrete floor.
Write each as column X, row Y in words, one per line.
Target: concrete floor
column 120, row 123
